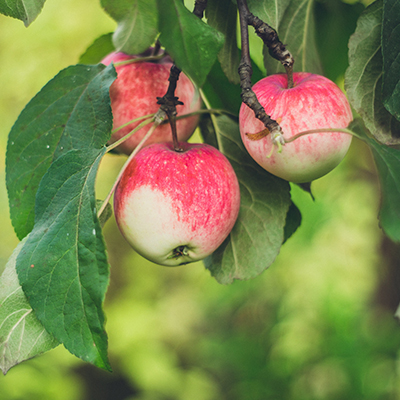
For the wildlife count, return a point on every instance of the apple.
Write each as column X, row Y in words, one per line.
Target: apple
column 314, row 102
column 176, row 207
column 134, row 94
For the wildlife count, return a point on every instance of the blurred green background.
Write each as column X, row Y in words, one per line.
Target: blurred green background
column 317, row 325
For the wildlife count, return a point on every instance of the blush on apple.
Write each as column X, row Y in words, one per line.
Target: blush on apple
column 314, row 102
column 134, row 94
column 177, row 207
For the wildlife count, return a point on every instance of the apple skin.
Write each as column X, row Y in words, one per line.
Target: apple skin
column 177, row 207
column 314, row 102
column 134, row 94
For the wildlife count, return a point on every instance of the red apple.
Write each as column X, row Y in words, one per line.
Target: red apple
column 177, row 207
column 134, row 94
column 314, row 102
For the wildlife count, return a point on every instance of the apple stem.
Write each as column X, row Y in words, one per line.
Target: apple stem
column 133, row 131
column 140, row 59
column 312, row 131
column 169, row 102
column 133, row 154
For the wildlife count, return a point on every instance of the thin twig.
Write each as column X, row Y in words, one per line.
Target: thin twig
column 199, row 7
column 245, row 71
column 133, row 154
column 169, row 101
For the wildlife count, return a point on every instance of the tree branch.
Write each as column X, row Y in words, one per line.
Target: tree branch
column 199, row 7
column 169, row 101
column 277, row 50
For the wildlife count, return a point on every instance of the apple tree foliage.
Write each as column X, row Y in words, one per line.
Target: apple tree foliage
column 53, row 287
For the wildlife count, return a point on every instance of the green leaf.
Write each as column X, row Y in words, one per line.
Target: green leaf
column 192, row 44
column 137, row 24
column 335, row 22
column 71, row 112
column 22, row 336
column 106, row 214
column 387, row 161
column 25, row 10
column 293, row 221
column 363, row 79
column 257, row 236
column 391, row 56
column 63, row 266
column 100, row 48
column 222, row 15
column 294, row 22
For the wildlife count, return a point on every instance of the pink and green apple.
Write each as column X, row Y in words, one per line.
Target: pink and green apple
column 177, row 207
column 314, row 102
column 134, row 94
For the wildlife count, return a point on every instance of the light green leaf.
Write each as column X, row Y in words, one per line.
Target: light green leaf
column 137, row 24
column 22, row 336
column 192, row 44
column 25, row 10
column 100, row 48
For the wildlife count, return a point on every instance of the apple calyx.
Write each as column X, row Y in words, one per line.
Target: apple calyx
column 180, row 251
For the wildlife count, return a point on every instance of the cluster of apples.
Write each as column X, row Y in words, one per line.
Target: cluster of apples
column 175, row 207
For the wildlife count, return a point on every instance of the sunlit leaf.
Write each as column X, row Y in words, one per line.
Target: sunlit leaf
column 63, row 266
column 257, row 236
column 25, row 10
column 192, row 44
column 100, row 48
column 137, row 24
column 363, row 79
column 22, row 336
column 391, row 56
column 71, row 112
column 294, row 22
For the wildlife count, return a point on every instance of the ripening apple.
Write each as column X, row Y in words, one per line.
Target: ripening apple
column 314, row 102
column 177, row 207
column 134, row 94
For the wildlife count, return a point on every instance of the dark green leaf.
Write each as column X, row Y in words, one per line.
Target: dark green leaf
column 71, row 112
column 192, row 44
column 137, row 24
column 222, row 15
column 293, row 221
column 63, row 267
column 387, row 161
column 25, row 10
column 363, row 79
column 257, row 236
column 294, row 22
column 222, row 93
column 391, row 56
column 100, row 48
column 335, row 22
column 22, row 336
